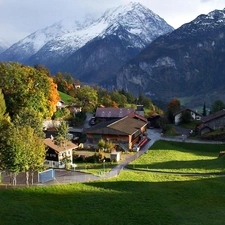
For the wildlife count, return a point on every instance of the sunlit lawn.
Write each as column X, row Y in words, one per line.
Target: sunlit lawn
column 132, row 198
column 182, row 157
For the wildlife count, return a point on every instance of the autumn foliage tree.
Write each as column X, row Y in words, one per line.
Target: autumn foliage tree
column 173, row 107
column 65, row 83
column 27, row 87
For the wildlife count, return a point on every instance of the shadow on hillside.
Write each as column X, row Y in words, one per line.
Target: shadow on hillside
column 203, row 166
column 199, row 149
column 150, row 201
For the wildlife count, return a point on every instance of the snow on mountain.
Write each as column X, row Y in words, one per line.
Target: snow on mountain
column 3, row 45
column 67, row 36
column 200, row 25
column 188, row 62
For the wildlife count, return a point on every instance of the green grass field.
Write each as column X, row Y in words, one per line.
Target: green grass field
column 132, row 198
column 65, row 97
column 182, row 158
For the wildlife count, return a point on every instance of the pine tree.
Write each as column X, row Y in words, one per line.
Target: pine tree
column 204, row 110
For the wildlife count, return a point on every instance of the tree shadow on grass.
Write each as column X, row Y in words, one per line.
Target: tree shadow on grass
column 132, row 198
column 199, row 149
column 215, row 166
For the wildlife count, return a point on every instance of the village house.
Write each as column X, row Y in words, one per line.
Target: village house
column 140, row 110
column 214, row 121
column 74, row 108
column 55, row 153
column 194, row 115
column 77, row 84
column 104, row 114
column 154, row 121
column 60, row 104
column 124, row 132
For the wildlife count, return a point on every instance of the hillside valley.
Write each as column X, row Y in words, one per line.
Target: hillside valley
column 132, row 48
column 92, row 49
column 188, row 64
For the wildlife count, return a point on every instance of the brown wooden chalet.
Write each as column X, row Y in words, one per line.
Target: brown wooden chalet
column 123, row 132
column 55, row 153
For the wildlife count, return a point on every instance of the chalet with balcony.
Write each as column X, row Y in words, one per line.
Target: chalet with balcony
column 55, row 153
column 125, row 132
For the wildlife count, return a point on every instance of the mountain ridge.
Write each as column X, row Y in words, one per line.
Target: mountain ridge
column 135, row 26
column 186, row 63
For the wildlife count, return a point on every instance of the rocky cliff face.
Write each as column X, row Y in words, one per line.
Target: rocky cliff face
column 91, row 50
column 187, row 63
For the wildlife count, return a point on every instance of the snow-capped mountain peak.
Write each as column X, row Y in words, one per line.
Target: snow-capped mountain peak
column 134, row 24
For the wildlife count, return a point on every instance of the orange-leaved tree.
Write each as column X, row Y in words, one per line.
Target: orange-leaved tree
column 53, row 97
column 173, row 107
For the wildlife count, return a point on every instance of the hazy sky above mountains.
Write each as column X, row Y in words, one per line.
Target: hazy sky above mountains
column 19, row 18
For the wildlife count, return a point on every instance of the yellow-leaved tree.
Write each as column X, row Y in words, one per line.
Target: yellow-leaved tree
column 27, row 87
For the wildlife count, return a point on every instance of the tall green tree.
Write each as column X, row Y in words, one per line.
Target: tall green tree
column 2, row 105
column 12, row 148
column 4, row 116
column 29, row 117
column 89, row 97
column 37, row 156
column 21, row 151
column 186, row 117
column 61, row 132
column 204, row 110
column 217, row 106
column 33, row 152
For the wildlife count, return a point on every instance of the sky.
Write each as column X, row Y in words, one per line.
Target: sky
column 19, row 18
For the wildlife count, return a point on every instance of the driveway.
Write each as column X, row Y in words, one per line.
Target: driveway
column 181, row 130
column 88, row 118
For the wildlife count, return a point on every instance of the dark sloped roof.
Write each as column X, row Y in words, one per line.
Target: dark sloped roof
column 128, row 125
column 102, row 128
column 189, row 110
column 203, row 126
column 213, row 116
column 124, row 126
column 137, row 116
column 112, row 112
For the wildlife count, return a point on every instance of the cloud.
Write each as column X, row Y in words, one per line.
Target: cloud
column 20, row 18
column 207, row 1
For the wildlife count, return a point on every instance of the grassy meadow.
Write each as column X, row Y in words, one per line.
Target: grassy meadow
column 182, row 157
column 66, row 98
column 134, row 197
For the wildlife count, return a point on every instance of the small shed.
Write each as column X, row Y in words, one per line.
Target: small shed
column 115, row 157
